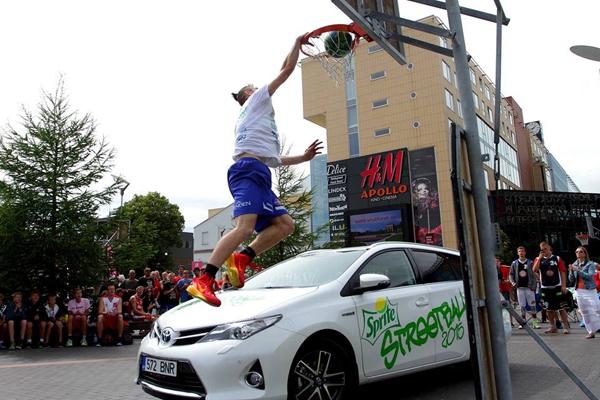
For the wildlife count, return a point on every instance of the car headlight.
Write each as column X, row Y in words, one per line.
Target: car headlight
column 241, row 330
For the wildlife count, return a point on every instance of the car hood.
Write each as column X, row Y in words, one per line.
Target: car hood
column 236, row 305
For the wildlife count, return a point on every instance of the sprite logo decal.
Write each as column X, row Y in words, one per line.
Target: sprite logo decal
column 383, row 326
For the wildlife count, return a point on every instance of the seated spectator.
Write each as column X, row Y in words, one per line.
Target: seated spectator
column 36, row 318
column 138, row 313
column 149, row 304
column 78, row 310
column 16, row 316
column 110, row 315
column 56, row 318
column 3, row 326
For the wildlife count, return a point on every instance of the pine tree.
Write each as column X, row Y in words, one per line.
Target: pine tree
column 49, row 237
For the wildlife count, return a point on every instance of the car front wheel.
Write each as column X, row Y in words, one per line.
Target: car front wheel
column 320, row 370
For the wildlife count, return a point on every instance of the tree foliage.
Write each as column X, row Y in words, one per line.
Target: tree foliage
column 49, row 238
column 149, row 226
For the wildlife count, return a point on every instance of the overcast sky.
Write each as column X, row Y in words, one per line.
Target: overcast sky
column 157, row 76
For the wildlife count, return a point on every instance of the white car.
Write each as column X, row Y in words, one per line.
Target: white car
column 314, row 327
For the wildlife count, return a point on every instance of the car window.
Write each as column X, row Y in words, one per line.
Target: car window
column 305, row 270
column 437, row 267
column 393, row 264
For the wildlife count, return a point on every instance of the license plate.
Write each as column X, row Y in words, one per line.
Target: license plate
column 158, row 366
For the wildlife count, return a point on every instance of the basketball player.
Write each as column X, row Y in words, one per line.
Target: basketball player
column 256, row 207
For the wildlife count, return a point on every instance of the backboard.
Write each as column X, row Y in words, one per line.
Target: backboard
column 378, row 30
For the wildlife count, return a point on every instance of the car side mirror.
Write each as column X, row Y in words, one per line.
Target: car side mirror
column 370, row 282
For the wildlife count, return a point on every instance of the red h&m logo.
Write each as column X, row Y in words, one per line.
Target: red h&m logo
column 392, row 170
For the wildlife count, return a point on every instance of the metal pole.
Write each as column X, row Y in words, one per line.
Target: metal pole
column 495, row 330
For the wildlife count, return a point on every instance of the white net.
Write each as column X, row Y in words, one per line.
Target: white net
column 583, row 239
column 339, row 69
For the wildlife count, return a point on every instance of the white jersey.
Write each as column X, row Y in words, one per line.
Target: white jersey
column 110, row 305
column 255, row 131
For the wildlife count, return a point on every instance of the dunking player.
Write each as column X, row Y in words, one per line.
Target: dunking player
column 256, row 207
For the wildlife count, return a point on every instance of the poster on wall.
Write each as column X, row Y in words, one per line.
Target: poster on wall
column 425, row 197
column 375, row 191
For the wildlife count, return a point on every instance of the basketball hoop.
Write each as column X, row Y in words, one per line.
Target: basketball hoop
column 339, row 69
column 583, row 239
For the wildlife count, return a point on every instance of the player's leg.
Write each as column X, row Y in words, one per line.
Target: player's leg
column 280, row 228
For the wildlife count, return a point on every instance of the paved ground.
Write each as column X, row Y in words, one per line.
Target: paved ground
column 107, row 373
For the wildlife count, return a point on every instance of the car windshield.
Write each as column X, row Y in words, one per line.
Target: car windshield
column 312, row 268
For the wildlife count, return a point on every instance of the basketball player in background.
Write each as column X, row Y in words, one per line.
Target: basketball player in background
column 256, row 207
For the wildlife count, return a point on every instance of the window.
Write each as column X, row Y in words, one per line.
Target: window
column 435, row 267
column 443, row 42
column 472, row 76
column 377, row 75
column 204, row 238
column 449, row 100
column 490, row 114
column 480, row 85
column 394, row 265
column 446, row 71
column 380, row 103
column 487, row 93
column 476, row 100
column 455, row 81
column 382, row 132
column 459, row 108
column 374, row 49
column 510, row 118
column 483, row 106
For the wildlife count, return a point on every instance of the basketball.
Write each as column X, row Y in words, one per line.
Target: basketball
column 338, row 44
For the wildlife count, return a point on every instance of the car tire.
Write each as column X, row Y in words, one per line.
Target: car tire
column 321, row 370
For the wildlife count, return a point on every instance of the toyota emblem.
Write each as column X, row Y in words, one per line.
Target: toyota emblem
column 166, row 335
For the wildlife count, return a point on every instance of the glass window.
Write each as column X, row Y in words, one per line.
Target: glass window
column 449, row 100
column 382, row 132
column 374, row 49
column 446, row 71
column 380, row 103
column 472, row 76
column 393, row 264
column 436, row 267
column 476, row 100
column 354, row 145
column 443, row 42
column 459, row 108
column 378, row 75
column 490, row 114
column 204, row 238
column 487, row 93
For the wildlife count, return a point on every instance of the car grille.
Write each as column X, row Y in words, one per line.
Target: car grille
column 191, row 336
column 187, row 380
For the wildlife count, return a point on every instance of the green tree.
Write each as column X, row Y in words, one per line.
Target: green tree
column 152, row 226
column 297, row 200
column 49, row 237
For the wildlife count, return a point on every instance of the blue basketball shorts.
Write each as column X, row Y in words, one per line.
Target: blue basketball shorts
column 250, row 185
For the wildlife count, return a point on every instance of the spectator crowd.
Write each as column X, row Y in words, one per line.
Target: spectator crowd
column 123, row 305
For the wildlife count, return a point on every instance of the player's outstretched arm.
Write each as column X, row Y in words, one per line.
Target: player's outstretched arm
column 310, row 153
column 289, row 64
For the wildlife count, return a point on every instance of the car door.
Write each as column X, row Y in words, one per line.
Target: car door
column 441, row 274
column 392, row 321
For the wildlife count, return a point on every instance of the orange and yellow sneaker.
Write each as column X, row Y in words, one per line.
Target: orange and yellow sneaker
column 202, row 288
column 236, row 268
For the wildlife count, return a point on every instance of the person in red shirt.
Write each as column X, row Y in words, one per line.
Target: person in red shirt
column 597, row 278
column 504, row 282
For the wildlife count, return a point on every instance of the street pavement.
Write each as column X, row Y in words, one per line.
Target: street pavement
column 108, row 373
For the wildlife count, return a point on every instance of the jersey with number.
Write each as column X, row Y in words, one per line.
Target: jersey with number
column 256, row 131
column 550, row 271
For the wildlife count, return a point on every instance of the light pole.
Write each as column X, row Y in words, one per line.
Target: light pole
column 125, row 183
column 120, row 179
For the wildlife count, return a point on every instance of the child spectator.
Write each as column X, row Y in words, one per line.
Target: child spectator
column 36, row 318
column 56, row 318
column 16, row 316
column 78, row 309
